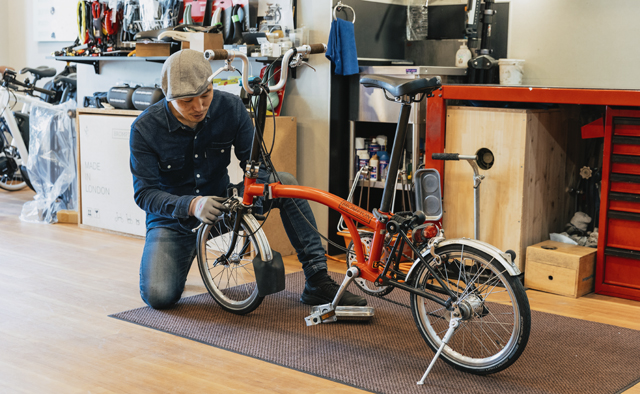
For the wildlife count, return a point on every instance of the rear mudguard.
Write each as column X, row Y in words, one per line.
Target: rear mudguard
column 500, row 256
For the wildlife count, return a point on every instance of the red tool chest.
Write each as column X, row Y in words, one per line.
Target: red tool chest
column 618, row 261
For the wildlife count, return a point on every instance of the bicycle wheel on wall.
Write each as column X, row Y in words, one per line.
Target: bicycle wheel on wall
column 496, row 315
column 226, row 262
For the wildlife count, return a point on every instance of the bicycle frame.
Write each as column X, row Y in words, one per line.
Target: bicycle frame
column 350, row 212
column 10, row 119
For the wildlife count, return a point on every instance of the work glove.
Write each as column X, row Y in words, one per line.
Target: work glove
column 208, row 209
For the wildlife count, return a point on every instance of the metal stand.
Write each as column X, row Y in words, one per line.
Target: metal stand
column 453, row 324
column 329, row 313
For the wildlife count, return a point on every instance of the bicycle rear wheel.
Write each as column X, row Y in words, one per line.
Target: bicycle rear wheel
column 497, row 319
column 226, row 262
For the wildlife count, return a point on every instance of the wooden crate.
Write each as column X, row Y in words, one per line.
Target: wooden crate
column 522, row 198
column 560, row 268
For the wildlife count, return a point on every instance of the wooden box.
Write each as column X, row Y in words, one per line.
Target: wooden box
column 151, row 49
column 560, row 268
column 522, row 198
column 203, row 41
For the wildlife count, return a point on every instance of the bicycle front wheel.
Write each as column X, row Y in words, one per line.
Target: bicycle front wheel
column 496, row 315
column 226, row 262
column 10, row 175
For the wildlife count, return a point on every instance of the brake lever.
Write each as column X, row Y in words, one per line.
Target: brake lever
column 297, row 61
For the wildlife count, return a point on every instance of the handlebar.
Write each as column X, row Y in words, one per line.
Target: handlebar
column 452, row 156
column 9, row 81
column 229, row 56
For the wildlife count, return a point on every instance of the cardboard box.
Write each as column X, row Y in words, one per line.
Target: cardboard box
column 560, row 268
column 150, row 49
column 203, row 41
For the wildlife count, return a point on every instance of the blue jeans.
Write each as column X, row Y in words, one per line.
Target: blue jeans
column 168, row 254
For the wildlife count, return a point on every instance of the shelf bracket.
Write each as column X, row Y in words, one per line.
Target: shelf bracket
column 78, row 59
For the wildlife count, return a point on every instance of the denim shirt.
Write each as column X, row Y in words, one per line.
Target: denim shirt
column 172, row 163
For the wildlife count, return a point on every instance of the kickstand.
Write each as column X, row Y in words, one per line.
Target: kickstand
column 453, row 324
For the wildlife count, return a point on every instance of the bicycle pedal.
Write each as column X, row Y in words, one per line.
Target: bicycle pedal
column 321, row 314
column 342, row 313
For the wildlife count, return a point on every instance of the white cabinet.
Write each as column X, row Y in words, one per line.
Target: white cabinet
column 105, row 181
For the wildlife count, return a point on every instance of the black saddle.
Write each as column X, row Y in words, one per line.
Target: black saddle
column 40, row 72
column 398, row 87
column 70, row 79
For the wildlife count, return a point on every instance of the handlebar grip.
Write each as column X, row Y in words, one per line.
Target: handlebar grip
column 216, row 54
column 318, row 48
column 45, row 91
column 445, row 156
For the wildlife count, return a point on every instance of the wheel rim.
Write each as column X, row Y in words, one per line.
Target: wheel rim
column 228, row 265
column 490, row 333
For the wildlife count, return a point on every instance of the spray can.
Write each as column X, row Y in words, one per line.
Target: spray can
column 373, row 147
column 383, row 159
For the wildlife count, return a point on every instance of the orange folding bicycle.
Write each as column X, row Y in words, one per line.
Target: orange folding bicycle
column 466, row 299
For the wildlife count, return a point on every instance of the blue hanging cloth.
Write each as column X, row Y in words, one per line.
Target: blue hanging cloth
column 341, row 49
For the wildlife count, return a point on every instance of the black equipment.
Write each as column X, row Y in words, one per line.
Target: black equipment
column 121, row 97
column 143, row 98
column 483, row 68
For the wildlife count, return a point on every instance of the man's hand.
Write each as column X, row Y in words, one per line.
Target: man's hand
column 208, row 208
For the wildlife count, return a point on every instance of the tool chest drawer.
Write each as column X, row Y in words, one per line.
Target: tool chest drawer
column 625, row 202
column 625, row 145
column 618, row 259
column 622, row 271
column 628, row 126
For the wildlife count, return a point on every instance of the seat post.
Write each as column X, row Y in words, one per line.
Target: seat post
column 396, row 152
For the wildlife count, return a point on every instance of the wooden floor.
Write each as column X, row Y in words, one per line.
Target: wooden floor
column 58, row 283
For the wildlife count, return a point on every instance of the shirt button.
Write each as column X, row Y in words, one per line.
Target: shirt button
column 195, row 138
column 222, row 151
column 196, row 156
column 169, row 166
column 197, row 190
column 198, row 175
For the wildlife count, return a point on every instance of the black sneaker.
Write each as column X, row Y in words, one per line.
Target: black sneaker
column 324, row 293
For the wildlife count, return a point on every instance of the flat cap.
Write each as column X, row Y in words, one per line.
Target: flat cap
column 184, row 75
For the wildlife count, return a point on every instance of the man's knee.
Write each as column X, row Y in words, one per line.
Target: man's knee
column 287, row 179
column 160, row 298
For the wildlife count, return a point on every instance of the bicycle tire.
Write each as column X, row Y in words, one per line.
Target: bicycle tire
column 364, row 285
column 226, row 266
column 496, row 333
column 12, row 179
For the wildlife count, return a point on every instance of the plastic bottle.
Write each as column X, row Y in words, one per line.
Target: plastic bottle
column 363, row 160
column 373, row 163
column 383, row 159
column 382, row 141
column 463, row 55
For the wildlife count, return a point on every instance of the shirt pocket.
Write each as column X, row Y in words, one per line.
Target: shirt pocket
column 172, row 171
column 218, row 155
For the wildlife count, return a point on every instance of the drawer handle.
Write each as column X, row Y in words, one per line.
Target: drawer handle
column 550, row 277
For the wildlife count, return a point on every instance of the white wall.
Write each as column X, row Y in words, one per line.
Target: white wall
column 577, row 43
column 307, row 98
column 20, row 48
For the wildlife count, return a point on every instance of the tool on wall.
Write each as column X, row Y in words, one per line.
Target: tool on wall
column 483, row 68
